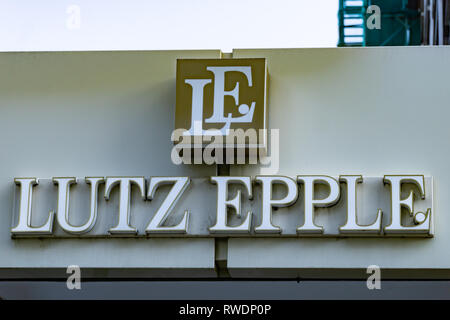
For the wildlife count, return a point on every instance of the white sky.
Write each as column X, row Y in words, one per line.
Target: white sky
column 46, row 25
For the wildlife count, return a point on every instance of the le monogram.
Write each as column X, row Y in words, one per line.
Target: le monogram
column 216, row 95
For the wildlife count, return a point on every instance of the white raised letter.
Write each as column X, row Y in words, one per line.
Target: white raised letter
column 397, row 203
column 352, row 226
column 62, row 213
column 26, row 200
column 156, row 223
column 220, row 93
column 310, row 203
column 123, row 225
column 198, row 86
column 223, row 204
column 267, row 182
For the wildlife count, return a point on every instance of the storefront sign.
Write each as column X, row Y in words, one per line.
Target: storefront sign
column 215, row 97
column 306, row 205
